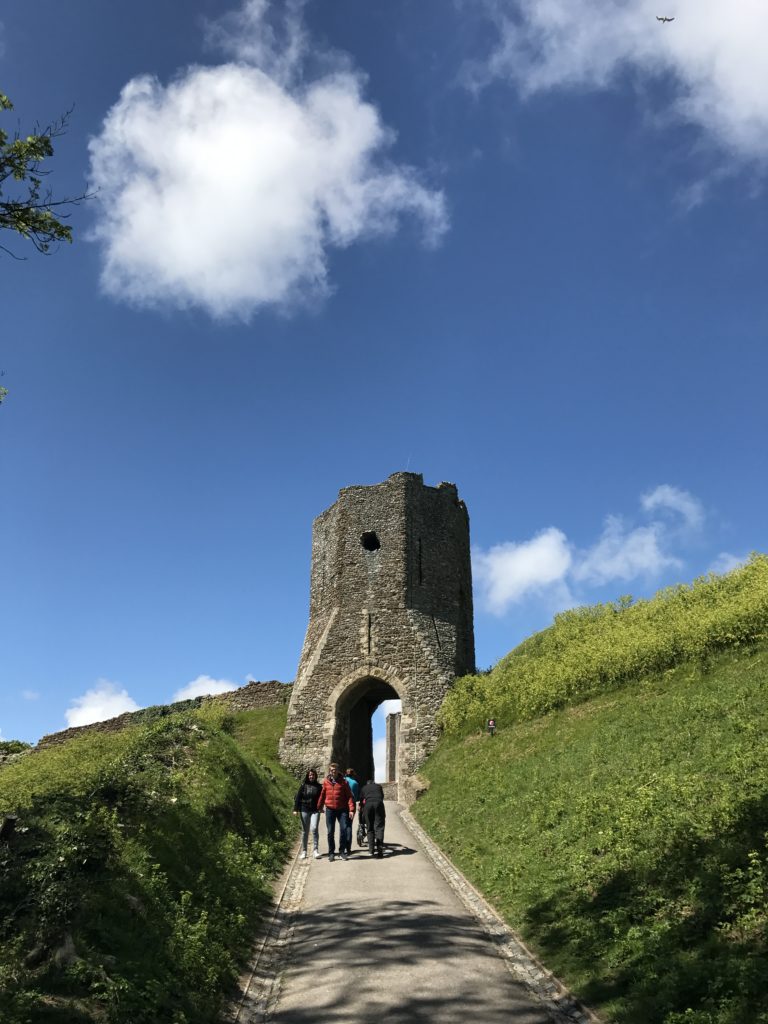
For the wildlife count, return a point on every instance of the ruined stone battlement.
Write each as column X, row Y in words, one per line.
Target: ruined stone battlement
column 244, row 698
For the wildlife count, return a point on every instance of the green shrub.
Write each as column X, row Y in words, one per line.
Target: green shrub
column 13, row 746
column 138, row 869
column 599, row 648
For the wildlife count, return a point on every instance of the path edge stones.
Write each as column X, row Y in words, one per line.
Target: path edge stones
column 258, row 987
column 561, row 1005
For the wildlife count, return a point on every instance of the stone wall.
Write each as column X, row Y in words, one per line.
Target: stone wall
column 390, row 616
column 245, row 698
column 391, row 746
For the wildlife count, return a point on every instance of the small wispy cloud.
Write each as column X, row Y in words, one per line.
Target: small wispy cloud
column 725, row 562
column 675, row 499
column 624, row 554
column 549, row 565
column 105, row 700
column 712, row 55
column 204, row 686
column 227, row 189
column 30, row 695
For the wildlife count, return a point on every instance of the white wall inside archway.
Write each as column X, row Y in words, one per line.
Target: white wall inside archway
column 379, row 719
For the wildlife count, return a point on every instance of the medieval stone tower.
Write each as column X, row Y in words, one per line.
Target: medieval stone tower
column 390, row 616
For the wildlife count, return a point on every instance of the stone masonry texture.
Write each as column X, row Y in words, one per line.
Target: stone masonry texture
column 390, row 616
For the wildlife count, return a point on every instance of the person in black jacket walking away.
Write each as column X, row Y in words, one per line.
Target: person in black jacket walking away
column 305, row 804
column 372, row 806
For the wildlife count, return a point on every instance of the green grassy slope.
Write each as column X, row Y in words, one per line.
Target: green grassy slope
column 595, row 649
column 625, row 836
column 139, row 868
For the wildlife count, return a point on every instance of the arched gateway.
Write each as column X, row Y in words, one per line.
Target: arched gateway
column 390, row 617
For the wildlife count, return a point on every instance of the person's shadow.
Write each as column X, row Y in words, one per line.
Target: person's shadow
column 396, row 850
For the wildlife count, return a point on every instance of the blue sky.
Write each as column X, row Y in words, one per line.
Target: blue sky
column 517, row 246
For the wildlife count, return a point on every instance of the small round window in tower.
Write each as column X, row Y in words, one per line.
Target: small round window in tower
column 370, row 542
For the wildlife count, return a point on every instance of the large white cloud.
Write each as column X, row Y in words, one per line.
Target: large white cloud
column 714, row 53
column 104, row 700
column 227, row 188
column 380, row 760
column 203, row 686
column 508, row 571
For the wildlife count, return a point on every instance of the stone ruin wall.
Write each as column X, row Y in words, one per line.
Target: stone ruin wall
column 245, row 698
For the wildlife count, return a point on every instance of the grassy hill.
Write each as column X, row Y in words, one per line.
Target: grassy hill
column 139, row 868
column 619, row 818
column 601, row 647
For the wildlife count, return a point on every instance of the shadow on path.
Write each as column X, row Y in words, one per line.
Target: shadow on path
column 397, row 962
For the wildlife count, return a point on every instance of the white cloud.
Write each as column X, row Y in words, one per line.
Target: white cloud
column 30, row 695
column 389, row 707
column 278, row 47
column 380, row 759
column 550, row 566
column 714, row 53
column 677, row 500
column 725, row 561
column 507, row 572
column 104, row 701
column 227, row 188
column 622, row 554
column 202, row 687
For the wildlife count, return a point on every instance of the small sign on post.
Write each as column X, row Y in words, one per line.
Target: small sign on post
column 491, row 726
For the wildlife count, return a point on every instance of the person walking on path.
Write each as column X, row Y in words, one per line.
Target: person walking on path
column 351, row 776
column 372, row 806
column 305, row 804
column 336, row 798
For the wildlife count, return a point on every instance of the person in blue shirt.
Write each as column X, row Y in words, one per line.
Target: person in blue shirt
column 351, row 776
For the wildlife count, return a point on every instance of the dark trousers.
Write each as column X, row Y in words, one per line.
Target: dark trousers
column 331, row 817
column 375, row 819
column 349, row 832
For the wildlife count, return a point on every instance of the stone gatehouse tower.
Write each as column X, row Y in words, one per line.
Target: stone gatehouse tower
column 390, row 616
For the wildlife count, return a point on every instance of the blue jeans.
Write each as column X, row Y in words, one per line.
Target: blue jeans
column 309, row 823
column 331, row 817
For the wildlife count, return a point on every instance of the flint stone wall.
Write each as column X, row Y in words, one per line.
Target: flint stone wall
column 245, row 698
column 390, row 616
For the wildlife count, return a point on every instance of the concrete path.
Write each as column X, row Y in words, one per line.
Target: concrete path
column 390, row 942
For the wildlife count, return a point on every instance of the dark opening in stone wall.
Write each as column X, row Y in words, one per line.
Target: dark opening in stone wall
column 353, row 736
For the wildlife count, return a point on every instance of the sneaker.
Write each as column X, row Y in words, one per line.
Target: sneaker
column 316, row 854
column 303, row 855
column 331, row 858
column 345, row 856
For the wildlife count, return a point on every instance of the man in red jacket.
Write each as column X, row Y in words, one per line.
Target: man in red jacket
column 336, row 797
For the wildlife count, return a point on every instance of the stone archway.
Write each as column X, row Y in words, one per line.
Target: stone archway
column 352, row 744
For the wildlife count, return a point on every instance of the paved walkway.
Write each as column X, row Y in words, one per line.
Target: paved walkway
column 395, row 941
